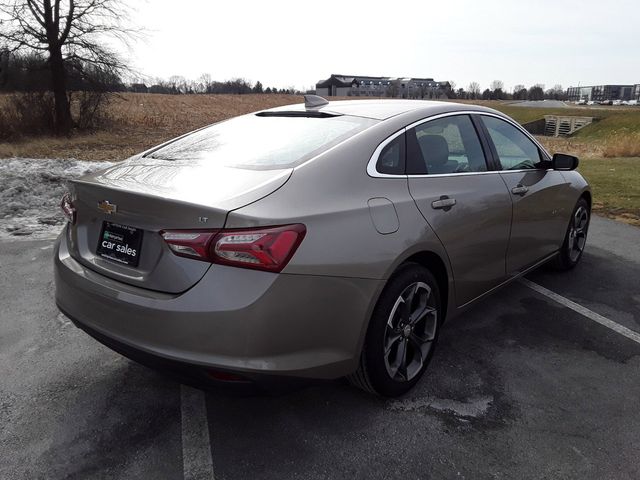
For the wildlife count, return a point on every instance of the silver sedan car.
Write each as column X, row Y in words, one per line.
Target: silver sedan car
column 314, row 241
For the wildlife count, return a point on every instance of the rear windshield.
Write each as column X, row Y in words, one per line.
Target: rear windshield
column 258, row 142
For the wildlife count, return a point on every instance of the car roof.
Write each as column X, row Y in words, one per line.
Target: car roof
column 382, row 109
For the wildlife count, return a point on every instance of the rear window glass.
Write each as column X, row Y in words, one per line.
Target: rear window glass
column 256, row 142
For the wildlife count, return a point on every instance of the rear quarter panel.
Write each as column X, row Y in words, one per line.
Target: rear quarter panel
column 330, row 196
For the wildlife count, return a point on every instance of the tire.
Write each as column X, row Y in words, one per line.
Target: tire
column 400, row 341
column 575, row 239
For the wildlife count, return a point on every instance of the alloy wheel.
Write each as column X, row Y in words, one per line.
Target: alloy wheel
column 578, row 233
column 410, row 332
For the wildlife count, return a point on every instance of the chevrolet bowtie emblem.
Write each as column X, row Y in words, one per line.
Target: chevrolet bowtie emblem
column 107, row 207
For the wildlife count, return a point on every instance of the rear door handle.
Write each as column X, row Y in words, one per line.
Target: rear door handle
column 444, row 203
column 519, row 189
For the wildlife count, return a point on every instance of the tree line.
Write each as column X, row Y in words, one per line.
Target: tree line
column 179, row 85
column 28, row 73
column 496, row 91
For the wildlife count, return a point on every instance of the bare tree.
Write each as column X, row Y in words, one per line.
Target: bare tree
column 519, row 92
column 497, row 85
column 474, row 90
column 558, row 93
column 72, row 34
column 205, row 80
column 178, row 84
column 497, row 90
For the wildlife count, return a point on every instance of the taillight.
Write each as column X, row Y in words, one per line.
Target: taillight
column 267, row 249
column 189, row 243
column 67, row 208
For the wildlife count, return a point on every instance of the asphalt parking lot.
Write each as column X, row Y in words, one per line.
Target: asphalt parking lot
column 521, row 386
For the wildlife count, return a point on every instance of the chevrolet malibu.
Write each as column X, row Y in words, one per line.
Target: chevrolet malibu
column 314, row 241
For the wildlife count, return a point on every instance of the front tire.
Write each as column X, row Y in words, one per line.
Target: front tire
column 402, row 333
column 575, row 238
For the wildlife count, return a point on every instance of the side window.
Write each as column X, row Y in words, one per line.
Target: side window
column 391, row 158
column 445, row 145
column 515, row 150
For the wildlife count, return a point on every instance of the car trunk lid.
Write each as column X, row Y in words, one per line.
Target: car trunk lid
column 127, row 206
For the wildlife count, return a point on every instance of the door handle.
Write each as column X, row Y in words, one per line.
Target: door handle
column 519, row 189
column 444, row 203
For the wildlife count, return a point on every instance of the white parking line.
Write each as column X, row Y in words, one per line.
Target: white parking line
column 596, row 317
column 196, row 446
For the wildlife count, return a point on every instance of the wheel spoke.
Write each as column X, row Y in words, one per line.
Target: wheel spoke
column 406, row 312
column 391, row 340
column 422, row 346
column 410, row 295
column 580, row 220
column 583, row 223
column 402, row 357
column 419, row 304
column 394, row 312
column 427, row 334
column 420, row 314
column 425, row 329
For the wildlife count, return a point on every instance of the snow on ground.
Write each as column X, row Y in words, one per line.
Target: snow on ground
column 30, row 193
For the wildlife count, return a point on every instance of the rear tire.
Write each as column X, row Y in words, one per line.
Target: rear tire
column 402, row 333
column 575, row 239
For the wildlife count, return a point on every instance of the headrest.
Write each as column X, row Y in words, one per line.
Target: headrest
column 434, row 150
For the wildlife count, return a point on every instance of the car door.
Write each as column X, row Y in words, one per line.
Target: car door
column 537, row 192
column 466, row 204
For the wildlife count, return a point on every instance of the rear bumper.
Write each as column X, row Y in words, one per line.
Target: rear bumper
column 234, row 319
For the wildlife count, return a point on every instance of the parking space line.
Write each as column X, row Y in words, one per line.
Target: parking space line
column 596, row 317
column 196, row 446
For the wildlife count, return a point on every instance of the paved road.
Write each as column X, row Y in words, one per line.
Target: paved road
column 539, row 104
column 520, row 387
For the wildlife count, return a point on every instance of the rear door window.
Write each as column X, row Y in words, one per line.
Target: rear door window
column 445, row 145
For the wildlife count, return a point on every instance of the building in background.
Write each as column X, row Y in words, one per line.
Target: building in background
column 394, row 87
column 601, row 93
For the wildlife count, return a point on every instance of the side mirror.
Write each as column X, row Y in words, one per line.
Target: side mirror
column 562, row 161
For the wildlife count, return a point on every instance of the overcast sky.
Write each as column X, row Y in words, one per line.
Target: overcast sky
column 297, row 43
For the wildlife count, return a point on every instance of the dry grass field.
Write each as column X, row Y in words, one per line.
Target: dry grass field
column 608, row 149
column 137, row 121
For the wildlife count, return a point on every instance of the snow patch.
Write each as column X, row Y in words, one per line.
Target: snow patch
column 30, row 193
column 473, row 408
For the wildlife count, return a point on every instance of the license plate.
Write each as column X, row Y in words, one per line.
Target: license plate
column 120, row 243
